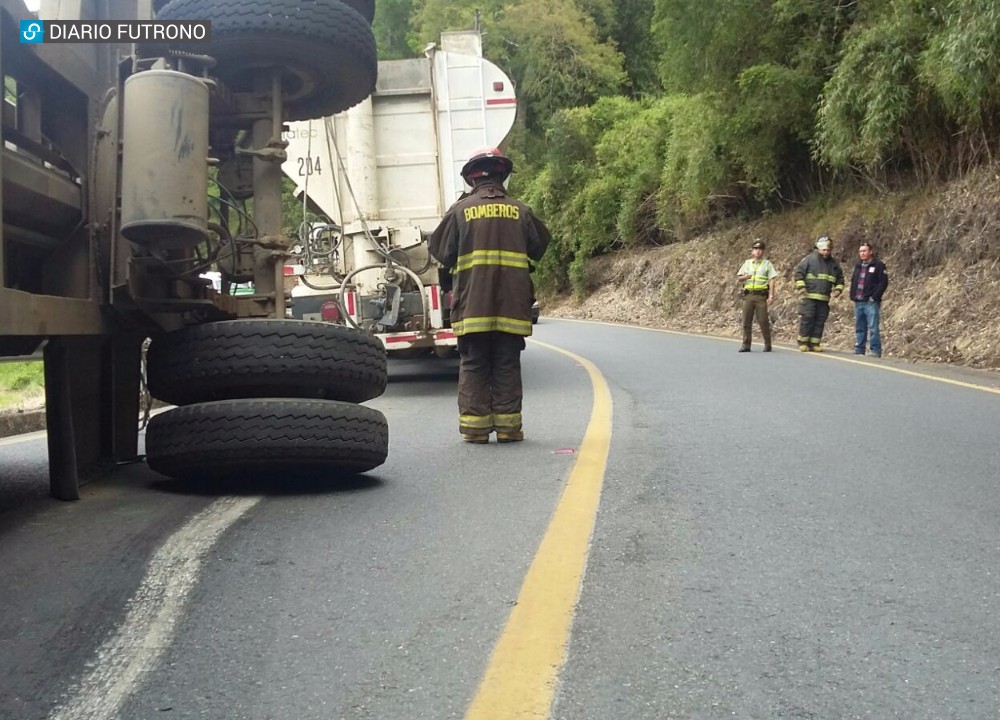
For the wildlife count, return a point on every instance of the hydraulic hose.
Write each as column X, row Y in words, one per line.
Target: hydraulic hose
column 413, row 276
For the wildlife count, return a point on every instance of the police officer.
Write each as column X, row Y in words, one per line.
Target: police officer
column 487, row 240
column 757, row 275
column 817, row 277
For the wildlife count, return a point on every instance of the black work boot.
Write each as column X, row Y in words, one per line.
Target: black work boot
column 507, row 436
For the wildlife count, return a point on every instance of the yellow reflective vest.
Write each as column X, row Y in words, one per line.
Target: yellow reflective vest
column 760, row 273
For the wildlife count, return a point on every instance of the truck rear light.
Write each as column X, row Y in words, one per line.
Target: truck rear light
column 330, row 311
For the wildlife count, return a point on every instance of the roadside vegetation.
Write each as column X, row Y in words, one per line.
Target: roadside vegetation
column 940, row 246
column 21, row 384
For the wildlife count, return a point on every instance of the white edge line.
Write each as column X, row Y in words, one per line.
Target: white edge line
column 151, row 615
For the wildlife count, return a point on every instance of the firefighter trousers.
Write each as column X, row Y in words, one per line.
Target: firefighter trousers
column 812, row 320
column 489, row 382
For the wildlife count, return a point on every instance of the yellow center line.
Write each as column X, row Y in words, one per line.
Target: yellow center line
column 520, row 680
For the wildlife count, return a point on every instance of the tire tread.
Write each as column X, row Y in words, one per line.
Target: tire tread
column 224, row 438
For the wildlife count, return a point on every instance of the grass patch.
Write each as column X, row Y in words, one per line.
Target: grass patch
column 20, row 382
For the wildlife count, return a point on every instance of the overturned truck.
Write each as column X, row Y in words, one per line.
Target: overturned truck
column 130, row 170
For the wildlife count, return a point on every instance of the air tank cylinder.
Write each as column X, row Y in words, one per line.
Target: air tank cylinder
column 165, row 159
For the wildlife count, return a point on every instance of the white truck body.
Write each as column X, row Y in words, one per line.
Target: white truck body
column 384, row 173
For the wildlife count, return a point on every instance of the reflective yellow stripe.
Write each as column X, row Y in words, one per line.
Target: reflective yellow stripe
column 822, row 276
column 800, row 283
column 817, row 296
column 489, row 422
column 476, row 422
column 490, row 324
column 504, row 258
column 507, row 421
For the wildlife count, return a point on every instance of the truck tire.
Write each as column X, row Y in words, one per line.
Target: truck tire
column 268, row 436
column 325, row 49
column 240, row 359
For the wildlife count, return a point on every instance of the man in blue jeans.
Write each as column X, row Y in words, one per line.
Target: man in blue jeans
column 868, row 284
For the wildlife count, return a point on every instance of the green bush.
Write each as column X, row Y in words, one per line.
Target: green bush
column 874, row 93
column 18, row 379
column 775, row 110
column 697, row 165
column 962, row 62
column 573, row 193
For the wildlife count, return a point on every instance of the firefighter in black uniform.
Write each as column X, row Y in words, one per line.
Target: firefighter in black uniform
column 487, row 239
column 817, row 277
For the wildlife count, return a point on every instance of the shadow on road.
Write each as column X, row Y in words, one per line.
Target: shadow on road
column 313, row 482
column 419, row 370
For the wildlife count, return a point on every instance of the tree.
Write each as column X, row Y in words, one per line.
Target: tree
column 962, row 63
column 556, row 57
column 871, row 106
column 432, row 17
column 392, row 25
column 605, row 17
column 634, row 36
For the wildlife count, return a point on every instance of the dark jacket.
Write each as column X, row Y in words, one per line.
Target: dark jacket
column 819, row 276
column 487, row 239
column 875, row 283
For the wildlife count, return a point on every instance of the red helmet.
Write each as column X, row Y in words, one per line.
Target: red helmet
column 487, row 162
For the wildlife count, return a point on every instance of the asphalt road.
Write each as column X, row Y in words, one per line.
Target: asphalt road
column 779, row 535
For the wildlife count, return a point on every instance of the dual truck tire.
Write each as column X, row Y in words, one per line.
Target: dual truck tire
column 266, row 397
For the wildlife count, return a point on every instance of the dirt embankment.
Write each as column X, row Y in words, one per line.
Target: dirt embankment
column 942, row 249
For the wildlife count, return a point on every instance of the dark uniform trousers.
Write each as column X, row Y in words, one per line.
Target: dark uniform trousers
column 489, row 382
column 812, row 320
column 755, row 305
